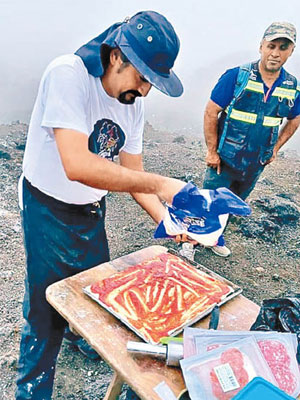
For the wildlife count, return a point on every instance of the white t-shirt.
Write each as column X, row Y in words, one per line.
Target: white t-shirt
column 69, row 97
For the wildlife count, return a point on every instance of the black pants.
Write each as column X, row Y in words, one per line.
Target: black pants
column 60, row 240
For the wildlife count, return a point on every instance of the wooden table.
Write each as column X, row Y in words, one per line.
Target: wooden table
column 109, row 337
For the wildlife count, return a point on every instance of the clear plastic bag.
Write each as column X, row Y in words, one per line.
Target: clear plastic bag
column 279, row 350
column 221, row 373
column 191, row 335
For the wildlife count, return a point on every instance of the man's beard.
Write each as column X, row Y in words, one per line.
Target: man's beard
column 273, row 70
column 122, row 97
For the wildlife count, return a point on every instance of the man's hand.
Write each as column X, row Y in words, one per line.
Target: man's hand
column 213, row 160
column 185, row 238
column 273, row 158
column 285, row 133
column 169, row 189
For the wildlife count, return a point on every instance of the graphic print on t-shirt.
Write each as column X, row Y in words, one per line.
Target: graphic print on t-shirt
column 107, row 139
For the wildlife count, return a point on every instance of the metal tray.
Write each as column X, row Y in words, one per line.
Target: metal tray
column 236, row 290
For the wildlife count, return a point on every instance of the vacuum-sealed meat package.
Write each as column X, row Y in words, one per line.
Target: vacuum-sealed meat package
column 199, row 340
column 279, row 350
column 280, row 355
column 221, row 373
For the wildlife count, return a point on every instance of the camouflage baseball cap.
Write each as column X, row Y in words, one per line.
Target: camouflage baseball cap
column 279, row 30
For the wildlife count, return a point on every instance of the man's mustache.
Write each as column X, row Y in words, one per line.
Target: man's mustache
column 122, row 97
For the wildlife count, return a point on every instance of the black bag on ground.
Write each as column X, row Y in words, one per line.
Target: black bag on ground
column 282, row 315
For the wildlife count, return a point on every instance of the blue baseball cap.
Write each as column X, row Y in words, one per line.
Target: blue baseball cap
column 148, row 41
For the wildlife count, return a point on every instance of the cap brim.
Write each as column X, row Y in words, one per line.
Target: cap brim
column 169, row 85
column 269, row 38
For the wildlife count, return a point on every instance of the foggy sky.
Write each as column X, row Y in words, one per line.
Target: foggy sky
column 214, row 36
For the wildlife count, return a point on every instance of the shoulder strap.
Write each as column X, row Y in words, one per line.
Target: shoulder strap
column 241, row 83
column 242, row 79
column 297, row 89
column 291, row 80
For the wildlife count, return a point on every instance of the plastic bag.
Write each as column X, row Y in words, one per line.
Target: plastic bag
column 220, row 374
column 277, row 348
column 196, row 339
column 279, row 353
column 281, row 315
column 201, row 214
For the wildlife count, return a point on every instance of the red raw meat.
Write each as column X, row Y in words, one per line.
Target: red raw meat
column 235, row 359
column 285, row 378
column 274, row 352
column 279, row 361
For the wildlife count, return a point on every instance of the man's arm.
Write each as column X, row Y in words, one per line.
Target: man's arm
column 149, row 202
column 211, row 113
column 286, row 132
column 88, row 168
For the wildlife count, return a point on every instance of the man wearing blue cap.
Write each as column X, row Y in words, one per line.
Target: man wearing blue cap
column 244, row 113
column 89, row 110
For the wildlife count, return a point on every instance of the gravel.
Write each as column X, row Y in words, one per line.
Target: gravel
column 265, row 247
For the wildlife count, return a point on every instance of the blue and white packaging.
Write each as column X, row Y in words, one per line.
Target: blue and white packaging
column 201, row 214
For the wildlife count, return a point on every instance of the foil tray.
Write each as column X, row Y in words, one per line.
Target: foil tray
column 236, row 290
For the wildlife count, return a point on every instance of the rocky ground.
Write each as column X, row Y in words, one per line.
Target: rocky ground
column 265, row 247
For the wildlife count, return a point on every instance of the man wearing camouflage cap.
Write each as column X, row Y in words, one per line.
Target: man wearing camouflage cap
column 243, row 116
column 89, row 110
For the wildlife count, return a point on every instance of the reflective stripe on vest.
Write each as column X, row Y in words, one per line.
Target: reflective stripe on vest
column 271, row 121
column 255, row 86
column 250, row 118
column 284, row 93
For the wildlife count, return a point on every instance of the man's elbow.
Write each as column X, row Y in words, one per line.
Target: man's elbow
column 73, row 175
column 73, row 169
column 212, row 110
